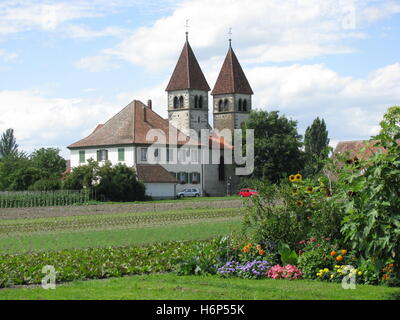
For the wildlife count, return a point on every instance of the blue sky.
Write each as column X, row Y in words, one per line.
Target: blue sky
column 66, row 66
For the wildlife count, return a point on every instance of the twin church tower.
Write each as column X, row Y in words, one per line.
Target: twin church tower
column 188, row 94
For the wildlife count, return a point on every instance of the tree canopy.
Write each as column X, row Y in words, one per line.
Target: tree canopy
column 277, row 145
column 8, row 144
column 316, row 145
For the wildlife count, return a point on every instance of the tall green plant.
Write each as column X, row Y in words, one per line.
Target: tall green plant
column 371, row 186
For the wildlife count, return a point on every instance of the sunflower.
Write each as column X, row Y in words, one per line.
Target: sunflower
column 299, row 177
column 310, row 189
column 299, row 203
column 292, row 178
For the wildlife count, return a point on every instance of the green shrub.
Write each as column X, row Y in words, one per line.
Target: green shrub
column 312, row 260
column 111, row 183
column 371, row 188
column 46, row 185
column 203, row 257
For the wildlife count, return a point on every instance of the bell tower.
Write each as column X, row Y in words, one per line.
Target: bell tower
column 188, row 93
column 232, row 95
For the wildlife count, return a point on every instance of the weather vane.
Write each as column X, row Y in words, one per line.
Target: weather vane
column 187, row 28
column 230, row 36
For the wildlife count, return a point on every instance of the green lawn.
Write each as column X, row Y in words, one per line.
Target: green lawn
column 170, row 287
column 118, row 237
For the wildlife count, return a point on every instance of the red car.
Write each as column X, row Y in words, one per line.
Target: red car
column 247, row 192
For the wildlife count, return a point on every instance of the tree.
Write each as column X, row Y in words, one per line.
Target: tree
column 114, row 183
column 8, row 144
column 277, row 145
column 316, row 143
column 49, row 161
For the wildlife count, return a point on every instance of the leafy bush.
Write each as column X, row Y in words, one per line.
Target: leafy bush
column 46, row 185
column 113, row 183
column 202, row 257
column 371, row 188
column 287, row 256
column 287, row 213
column 92, row 263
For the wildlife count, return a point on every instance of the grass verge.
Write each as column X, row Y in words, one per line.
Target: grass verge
column 172, row 287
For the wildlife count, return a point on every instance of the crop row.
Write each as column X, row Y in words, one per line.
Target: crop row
column 91, row 263
column 44, row 198
column 115, row 222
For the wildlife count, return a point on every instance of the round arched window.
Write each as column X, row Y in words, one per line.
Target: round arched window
column 226, row 105
column 244, row 105
column 220, row 103
column 196, row 102
column 180, row 102
column 176, row 102
column 240, row 105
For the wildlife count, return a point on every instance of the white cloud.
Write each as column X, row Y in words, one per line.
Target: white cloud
column 83, row 32
column 96, row 64
column 271, row 30
column 352, row 107
column 40, row 121
column 7, row 56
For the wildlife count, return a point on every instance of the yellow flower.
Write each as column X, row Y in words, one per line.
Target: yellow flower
column 298, row 177
column 326, row 270
column 299, row 203
column 292, row 178
column 359, row 273
column 332, row 276
column 310, row 189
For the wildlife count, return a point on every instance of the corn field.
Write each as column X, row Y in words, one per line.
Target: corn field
column 25, row 199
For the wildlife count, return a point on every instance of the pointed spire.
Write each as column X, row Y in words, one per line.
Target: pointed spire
column 187, row 73
column 231, row 78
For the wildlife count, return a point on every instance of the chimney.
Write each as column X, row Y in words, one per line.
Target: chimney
column 144, row 114
column 149, row 104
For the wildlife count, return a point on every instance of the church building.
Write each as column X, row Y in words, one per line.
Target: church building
column 125, row 137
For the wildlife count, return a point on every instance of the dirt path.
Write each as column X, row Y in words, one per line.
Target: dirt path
column 20, row 213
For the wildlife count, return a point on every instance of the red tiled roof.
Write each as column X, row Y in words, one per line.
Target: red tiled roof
column 231, row 78
column 353, row 148
column 187, row 73
column 129, row 126
column 154, row 173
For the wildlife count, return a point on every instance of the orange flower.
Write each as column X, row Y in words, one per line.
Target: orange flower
column 344, row 252
column 261, row 252
column 391, row 265
column 333, row 253
column 339, row 258
column 258, row 247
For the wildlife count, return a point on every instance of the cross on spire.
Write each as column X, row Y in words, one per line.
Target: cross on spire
column 230, row 37
column 187, row 29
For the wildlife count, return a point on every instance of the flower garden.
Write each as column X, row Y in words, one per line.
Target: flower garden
column 341, row 225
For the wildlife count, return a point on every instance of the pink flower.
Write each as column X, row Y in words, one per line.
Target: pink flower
column 300, row 252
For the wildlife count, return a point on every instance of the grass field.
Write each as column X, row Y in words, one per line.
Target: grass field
column 171, row 287
column 41, row 234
